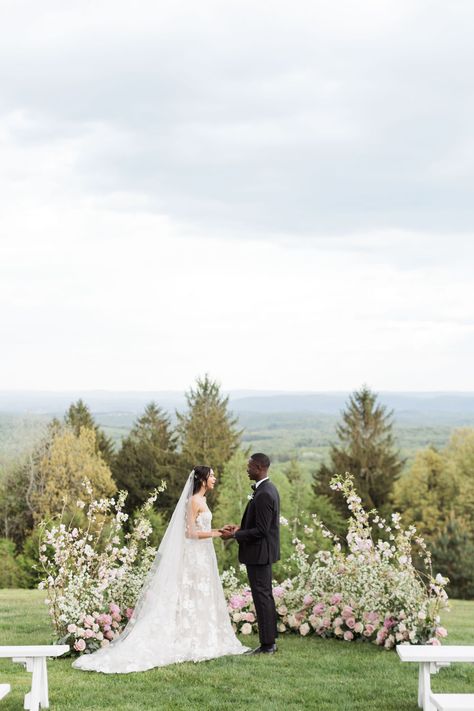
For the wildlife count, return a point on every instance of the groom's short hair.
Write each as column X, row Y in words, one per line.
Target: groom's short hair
column 261, row 459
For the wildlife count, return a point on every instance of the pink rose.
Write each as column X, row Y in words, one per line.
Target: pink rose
column 350, row 622
column 304, row 629
column 369, row 629
column 441, row 632
column 381, row 635
column 348, row 635
column 249, row 617
column 246, row 628
column 116, row 616
column 338, row 632
column 282, row 609
column 88, row 621
column 371, row 617
column 105, row 643
column 435, row 642
column 326, row 623
column 308, row 600
column 80, row 645
column 105, row 619
column 109, row 634
column 89, row 634
column 236, row 602
column 71, row 628
column 358, row 627
column 278, row 591
column 347, row 611
column 107, row 628
column 129, row 613
column 319, row 608
column 336, row 599
column 114, row 609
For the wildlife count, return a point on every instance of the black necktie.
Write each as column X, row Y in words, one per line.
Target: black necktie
column 254, row 487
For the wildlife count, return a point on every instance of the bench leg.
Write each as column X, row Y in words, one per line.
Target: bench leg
column 44, row 698
column 424, row 687
column 33, row 697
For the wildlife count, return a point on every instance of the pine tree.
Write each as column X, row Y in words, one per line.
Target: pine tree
column 207, row 431
column 366, row 450
column 148, row 455
column 79, row 416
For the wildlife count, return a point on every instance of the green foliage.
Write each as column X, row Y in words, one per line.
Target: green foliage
column 147, row 456
column 453, row 554
column 437, row 495
column 207, row 431
column 366, row 449
column 11, row 572
column 79, row 416
column 426, row 493
column 66, row 463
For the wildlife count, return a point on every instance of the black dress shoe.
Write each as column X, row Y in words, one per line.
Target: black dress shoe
column 264, row 650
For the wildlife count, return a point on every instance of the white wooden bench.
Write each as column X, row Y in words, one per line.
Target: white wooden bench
column 430, row 660
column 34, row 659
column 4, row 690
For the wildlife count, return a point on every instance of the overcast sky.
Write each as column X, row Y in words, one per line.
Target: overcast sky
column 277, row 193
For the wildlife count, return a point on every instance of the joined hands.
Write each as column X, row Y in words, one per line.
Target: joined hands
column 228, row 531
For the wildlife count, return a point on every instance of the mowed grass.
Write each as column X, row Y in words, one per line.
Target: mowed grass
column 306, row 673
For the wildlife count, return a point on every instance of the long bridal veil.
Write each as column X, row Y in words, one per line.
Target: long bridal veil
column 155, row 610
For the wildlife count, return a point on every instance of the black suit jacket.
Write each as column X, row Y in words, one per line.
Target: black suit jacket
column 259, row 534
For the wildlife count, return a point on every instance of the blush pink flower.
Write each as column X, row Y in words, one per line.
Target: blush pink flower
column 358, row 627
column 248, row 617
column 350, row 622
column 308, row 600
column 129, row 613
column 109, row 634
column 80, row 645
column 441, row 632
column 246, row 628
column 71, row 628
column 88, row 621
column 336, row 599
column 278, row 591
column 89, row 634
column 114, row 609
column 369, row 629
column 348, row 636
column 433, row 641
column 304, row 629
column 236, row 602
column 347, row 611
column 319, row 608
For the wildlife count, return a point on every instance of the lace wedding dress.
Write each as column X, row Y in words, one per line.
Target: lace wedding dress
column 181, row 614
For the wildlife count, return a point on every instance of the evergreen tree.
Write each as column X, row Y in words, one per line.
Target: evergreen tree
column 148, row 455
column 207, row 431
column 365, row 449
column 300, row 495
column 79, row 416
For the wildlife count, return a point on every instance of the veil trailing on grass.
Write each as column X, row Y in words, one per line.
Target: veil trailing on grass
column 181, row 613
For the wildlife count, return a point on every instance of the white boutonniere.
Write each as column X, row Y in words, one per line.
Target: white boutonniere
column 250, row 497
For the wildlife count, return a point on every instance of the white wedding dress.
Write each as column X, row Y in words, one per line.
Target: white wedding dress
column 181, row 614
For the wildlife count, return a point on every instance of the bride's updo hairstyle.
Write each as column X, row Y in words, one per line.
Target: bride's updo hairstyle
column 201, row 475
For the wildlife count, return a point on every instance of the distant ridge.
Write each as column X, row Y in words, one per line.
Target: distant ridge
column 405, row 404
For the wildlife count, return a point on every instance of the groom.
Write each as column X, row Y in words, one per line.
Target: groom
column 258, row 537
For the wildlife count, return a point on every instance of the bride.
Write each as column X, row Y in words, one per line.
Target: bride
column 181, row 613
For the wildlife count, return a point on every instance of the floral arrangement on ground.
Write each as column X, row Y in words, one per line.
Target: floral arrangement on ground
column 365, row 590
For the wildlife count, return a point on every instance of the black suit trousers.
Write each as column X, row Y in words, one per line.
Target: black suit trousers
column 260, row 579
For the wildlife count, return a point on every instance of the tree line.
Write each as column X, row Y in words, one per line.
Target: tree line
column 436, row 492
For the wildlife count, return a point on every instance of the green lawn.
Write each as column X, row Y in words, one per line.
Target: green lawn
column 324, row 675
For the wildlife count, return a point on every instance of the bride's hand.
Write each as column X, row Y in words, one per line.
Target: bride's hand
column 216, row 533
